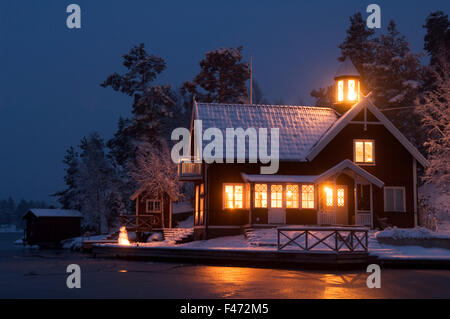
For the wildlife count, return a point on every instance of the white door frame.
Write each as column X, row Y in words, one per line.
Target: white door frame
column 278, row 213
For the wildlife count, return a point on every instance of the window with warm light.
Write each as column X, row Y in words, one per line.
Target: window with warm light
column 201, row 204
column 260, row 195
column 364, row 151
column 291, row 196
column 197, row 199
column 233, row 195
column 340, row 197
column 352, row 90
column 276, row 196
column 328, row 192
column 307, row 196
column 340, row 90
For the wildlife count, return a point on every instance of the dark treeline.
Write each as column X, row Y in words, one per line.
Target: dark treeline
column 11, row 212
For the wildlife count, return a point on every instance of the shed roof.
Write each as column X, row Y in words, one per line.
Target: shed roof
column 49, row 212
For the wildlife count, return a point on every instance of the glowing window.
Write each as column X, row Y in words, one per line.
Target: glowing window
column 340, row 197
column 364, row 151
column 352, row 91
column 328, row 196
column 260, row 195
column 307, row 196
column 233, row 196
column 276, row 196
column 340, row 87
column 196, row 204
column 291, row 196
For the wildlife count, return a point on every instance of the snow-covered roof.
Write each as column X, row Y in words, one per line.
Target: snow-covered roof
column 48, row 212
column 182, row 207
column 349, row 165
column 300, row 127
column 347, row 68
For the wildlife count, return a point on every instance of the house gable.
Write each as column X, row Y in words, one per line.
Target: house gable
column 370, row 114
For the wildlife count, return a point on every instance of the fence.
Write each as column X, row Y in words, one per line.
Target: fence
column 323, row 239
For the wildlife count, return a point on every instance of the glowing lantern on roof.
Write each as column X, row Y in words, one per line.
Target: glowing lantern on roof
column 347, row 86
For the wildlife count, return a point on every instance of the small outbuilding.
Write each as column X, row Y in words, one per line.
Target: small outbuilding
column 48, row 227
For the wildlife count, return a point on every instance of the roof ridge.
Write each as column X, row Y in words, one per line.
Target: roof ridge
column 266, row 105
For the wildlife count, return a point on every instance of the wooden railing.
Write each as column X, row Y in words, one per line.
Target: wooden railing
column 323, row 239
column 140, row 223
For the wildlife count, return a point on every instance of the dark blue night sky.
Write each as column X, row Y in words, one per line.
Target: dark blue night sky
column 50, row 95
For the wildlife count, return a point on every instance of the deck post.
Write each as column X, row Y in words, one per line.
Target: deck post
column 278, row 238
column 371, row 206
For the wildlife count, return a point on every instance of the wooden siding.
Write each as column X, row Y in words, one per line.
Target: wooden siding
column 394, row 166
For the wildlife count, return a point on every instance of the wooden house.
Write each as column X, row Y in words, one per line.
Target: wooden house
column 153, row 212
column 341, row 165
column 47, row 227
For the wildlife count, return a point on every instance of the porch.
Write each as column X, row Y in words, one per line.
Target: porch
column 343, row 195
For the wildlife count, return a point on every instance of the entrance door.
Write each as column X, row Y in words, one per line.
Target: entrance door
column 277, row 212
column 341, row 205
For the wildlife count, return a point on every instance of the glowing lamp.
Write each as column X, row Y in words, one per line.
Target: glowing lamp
column 123, row 237
column 347, row 84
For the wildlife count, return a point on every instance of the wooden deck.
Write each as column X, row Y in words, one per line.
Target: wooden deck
column 258, row 258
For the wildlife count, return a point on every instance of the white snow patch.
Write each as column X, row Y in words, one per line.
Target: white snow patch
column 408, row 233
column 187, row 223
column 405, row 252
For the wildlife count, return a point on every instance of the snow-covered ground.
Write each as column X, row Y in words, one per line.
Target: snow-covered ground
column 187, row 223
column 441, row 202
column 77, row 242
column 410, row 233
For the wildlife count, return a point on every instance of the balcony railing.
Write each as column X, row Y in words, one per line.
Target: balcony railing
column 322, row 239
column 188, row 170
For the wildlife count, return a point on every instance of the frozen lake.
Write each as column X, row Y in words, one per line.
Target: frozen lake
column 32, row 273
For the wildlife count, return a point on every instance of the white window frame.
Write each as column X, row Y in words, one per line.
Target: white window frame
column 299, row 193
column 152, row 211
column 364, row 152
column 224, row 198
column 301, row 196
column 267, row 196
column 393, row 189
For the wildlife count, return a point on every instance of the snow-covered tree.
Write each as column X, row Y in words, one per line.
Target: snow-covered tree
column 222, row 78
column 358, row 44
column 151, row 101
column 96, row 187
column 324, row 96
column 437, row 37
column 434, row 109
column 68, row 197
column 155, row 171
column 394, row 72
